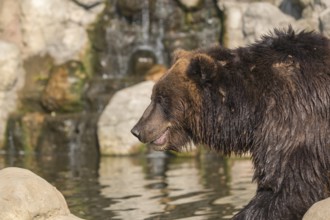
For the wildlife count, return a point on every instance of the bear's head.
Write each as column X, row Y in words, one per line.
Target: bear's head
column 169, row 121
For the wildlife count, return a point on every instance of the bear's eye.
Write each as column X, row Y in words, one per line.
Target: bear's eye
column 161, row 100
column 164, row 104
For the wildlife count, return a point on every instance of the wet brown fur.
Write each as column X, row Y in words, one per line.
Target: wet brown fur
column 271, row 99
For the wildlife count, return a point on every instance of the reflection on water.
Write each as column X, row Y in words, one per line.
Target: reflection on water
column 146, row 188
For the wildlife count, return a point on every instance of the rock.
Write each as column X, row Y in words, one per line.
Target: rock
column 258, row 20
column 10, row 63
column 246, row 22
column 24, row 195
column 64, row 89
column 119, row 116
column 319, row 211
column 233, row 21
column 313, row 8
column 325, row 22
column 68, row 44
column 12, row 79
column 10, row 22
column 308, row 24
column 100, row 90
column 57, row 27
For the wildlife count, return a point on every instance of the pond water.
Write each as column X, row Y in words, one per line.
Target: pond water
column 151, row 187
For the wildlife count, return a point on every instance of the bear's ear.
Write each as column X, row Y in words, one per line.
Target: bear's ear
column 202, row 68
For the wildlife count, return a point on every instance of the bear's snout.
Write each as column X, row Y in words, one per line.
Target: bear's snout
column 136, row 132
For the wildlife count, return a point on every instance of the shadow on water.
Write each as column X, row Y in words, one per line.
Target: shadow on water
column 209, row 187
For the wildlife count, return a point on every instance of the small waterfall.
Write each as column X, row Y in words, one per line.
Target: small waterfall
column 130, row 33
column 145, row 22
column 155, row 28
column 160, row 10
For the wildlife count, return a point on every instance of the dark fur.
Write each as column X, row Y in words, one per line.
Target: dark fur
column 271, row 99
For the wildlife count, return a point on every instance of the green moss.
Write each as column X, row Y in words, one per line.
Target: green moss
column 19, row 135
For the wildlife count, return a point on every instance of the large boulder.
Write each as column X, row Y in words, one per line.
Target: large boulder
column 26, row 196
column 319, row 211
column 119, row 116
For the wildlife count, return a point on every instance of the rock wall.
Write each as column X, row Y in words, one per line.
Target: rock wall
column 40, row 42
column 54, row 27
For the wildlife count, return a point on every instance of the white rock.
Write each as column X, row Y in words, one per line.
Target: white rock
column 118, row 118
column 259, row 19
column 233, row 12
column 26, row 196
column 319, row 211
column 57, row 27
column 12, row 79
column 325, row 22
column 70, row 42
column 10, row 22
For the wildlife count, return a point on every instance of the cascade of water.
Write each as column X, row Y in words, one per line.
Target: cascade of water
column 145, row 22
column 155, row 28
column 160, row 10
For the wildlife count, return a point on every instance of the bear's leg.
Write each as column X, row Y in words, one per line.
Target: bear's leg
column 290, row 198
column 268, row 206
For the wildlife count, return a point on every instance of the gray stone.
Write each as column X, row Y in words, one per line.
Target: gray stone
column 325, row 22
column 319, row 211
column 233, row 12
column 26, row 196
column 258, row 20
column 119, row 116
column 308, row 24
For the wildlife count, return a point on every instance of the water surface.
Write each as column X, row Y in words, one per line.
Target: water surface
column 210, row 187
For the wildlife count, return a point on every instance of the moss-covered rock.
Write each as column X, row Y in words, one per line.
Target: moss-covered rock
column 64, row 89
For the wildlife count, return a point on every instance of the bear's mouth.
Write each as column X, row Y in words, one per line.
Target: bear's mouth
column 160, row 142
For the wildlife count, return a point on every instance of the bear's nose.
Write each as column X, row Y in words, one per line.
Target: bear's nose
column 136, row 132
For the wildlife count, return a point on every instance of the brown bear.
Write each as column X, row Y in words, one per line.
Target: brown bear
column 271, row 99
